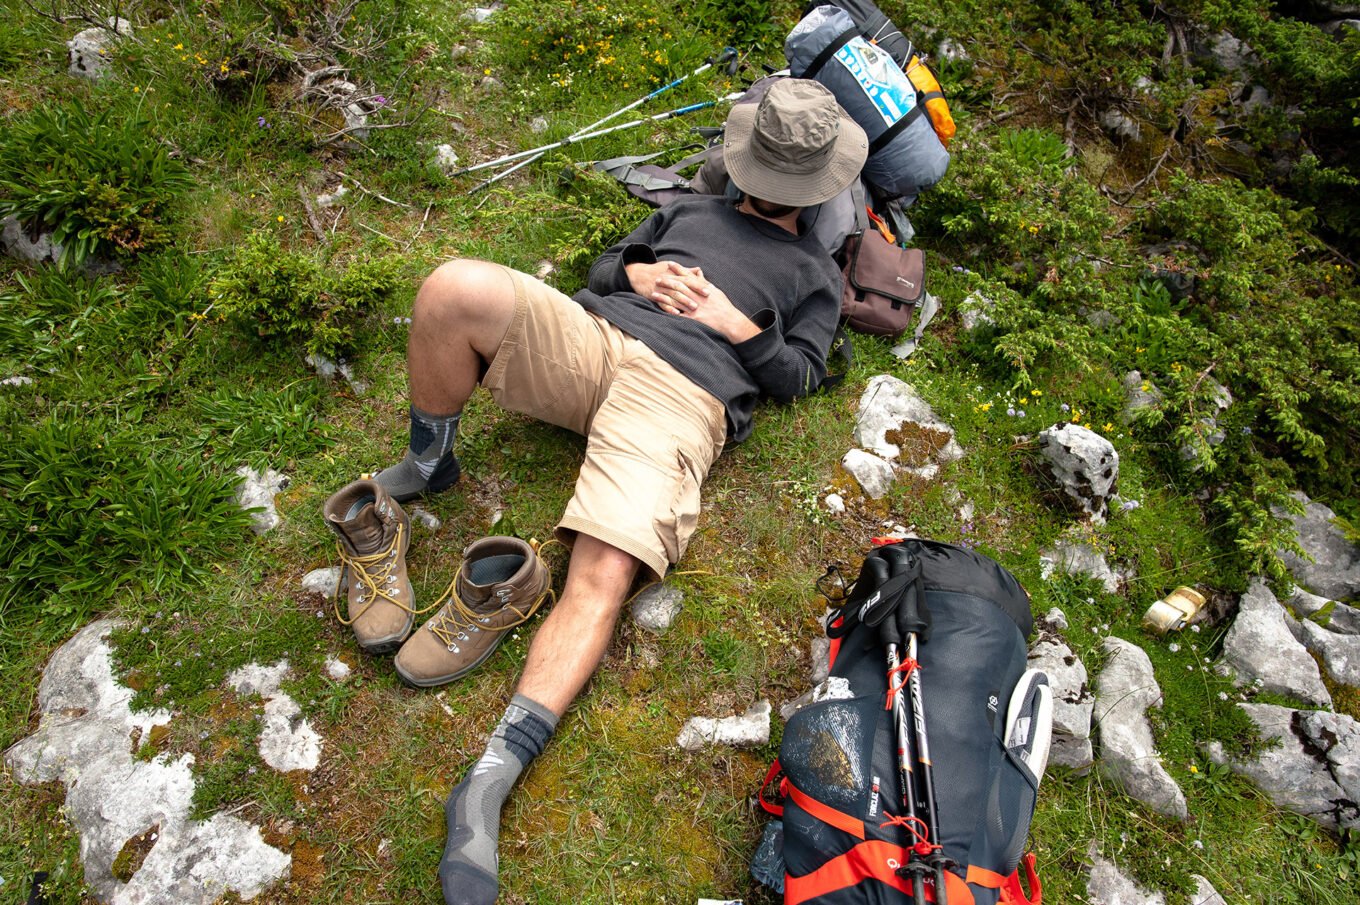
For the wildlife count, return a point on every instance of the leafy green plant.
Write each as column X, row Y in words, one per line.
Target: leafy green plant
column 89, row 508
column 299, row 297
column 101, row 182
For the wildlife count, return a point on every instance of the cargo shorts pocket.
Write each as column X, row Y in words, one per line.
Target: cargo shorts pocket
column 677, row 511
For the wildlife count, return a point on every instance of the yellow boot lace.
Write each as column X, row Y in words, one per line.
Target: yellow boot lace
column 374, row 573
column 449, row 625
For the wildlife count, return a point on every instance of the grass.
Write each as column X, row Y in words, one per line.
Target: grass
column 142, row 394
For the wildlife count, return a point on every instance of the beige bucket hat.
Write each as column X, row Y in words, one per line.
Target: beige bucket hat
column 796, row 147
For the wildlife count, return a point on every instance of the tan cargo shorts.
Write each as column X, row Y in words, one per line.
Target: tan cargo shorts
column 651, row 432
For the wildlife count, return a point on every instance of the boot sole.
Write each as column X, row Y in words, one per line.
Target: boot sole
column 453, row 677
column 392, row 643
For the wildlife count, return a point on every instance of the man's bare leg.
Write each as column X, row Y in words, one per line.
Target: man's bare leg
column 564, row 653
column 461, row 314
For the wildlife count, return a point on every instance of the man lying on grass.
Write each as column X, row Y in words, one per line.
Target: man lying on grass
column 685, row 324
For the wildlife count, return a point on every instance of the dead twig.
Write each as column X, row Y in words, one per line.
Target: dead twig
column 381, row 197
column 312, row 221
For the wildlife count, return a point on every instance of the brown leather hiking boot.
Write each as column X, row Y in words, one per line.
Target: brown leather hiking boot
column 372, row 535
column 500, row 585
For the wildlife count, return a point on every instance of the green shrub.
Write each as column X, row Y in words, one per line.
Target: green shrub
column 299, row 297
column 90, row 507
column 101, row 182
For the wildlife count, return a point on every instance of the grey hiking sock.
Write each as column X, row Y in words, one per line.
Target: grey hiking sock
column 429, row 464
column 473, row 812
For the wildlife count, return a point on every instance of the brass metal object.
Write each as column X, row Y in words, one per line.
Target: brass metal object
column 1174, row 611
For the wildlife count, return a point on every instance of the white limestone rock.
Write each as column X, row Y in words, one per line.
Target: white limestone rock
column 874, row 475
column 338, row 669
column 1260, row 649
column 1107, row 885
column 1120, row 125
column 1340, row 653
column 1125, row 689
column 1078, row 559
column 287, row 741
column 322, row 581
column 655, row 609
column 891, row 406
column 1085, row 465
column 1334, row 569
column 1313, row 770
column 87, row 54
column 15, row 242
column 445, row 158
column 1336, row 617
column 976, row 311
column 86, row 738
column 1073, row 701
column 1139, row 396
column 834, row 503
column 750, row 730
column 257, row 492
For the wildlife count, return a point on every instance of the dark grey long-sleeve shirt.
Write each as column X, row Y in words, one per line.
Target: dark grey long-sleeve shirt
column 787, row 285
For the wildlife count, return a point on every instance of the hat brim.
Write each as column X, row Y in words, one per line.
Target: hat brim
column 758, row 180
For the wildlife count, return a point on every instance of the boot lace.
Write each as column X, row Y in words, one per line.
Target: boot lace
column 375, row 573
column 451, row 624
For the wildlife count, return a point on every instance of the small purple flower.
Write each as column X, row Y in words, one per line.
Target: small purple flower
column 1246, row 432
column 1011, row 412
column 1020, row 414
column 380, row 100
column 262, row 122
column 1065, row 407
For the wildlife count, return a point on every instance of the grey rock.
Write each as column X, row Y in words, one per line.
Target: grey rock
column 1337, row 617
column 257, row 492
column 1100, row 318
column 835, row 503
column 655, row 609
column 87, row 54
column 1257, row 98
column 287, row 740
column 889, row 405
column 1337, row 26
column 976, row 311
column 445, row 158
column 1084, row 464
column 331, row 199
column 1125, row 689
column 425, row 519
column 338, row 669
column 821, row 658
column 1313, row 771
column 329, row 370
column 321, row 581
column 1139, row 396
column 874, row 476
column 14, row 241
column 1120, row 125
column 491, row 85
column 949, row 51
column 480, row 13
column 16, row 381
column 1072, row 700
column 835, row 688
column 538, row 125
column 1057, row 619
column 1078, row 559
column 750, row 730
column 1205, row 894
column 1340, row 653
column 1259, row 649
column 458, row 52
column 85, row 738
column 1334, row 571
column 1107, row 885
column 1232, row 54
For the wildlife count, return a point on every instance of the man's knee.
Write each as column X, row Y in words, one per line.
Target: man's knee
column 463, row 291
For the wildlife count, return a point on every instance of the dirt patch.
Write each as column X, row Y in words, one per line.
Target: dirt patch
column 918, row 444
column 134, row 853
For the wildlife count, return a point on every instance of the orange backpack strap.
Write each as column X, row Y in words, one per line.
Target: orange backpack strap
column 825, row 813
column 870, row 860
column 769, row 806
column 1013, row 893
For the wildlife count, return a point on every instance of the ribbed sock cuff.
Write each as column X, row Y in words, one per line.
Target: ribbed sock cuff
column 526, row 728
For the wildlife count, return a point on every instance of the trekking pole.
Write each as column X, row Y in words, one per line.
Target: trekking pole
column 658, row 117
column 728, row 54
column 915, row 869
column 936, row 858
